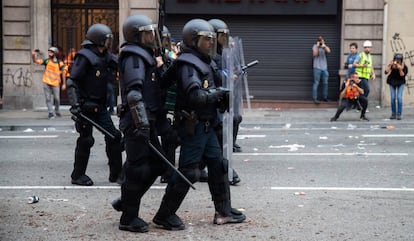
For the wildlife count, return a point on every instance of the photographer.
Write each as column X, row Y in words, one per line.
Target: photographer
column 397, row 71
column 320, row 69
column 352, row 95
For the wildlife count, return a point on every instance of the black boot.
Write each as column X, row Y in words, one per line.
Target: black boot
column 117, row 204
column 234, row 216
column 131, row 222
column 236, row 178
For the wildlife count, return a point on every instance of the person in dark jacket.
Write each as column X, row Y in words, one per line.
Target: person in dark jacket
column 396, row 71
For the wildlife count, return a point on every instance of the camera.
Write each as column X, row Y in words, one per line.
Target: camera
column 351, row 83
column 320, row 44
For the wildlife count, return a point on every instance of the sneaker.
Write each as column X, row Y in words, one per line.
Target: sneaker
column 393, row 117
column 326, row 99
column 236, row 178
column 399, row 117
column 363, row 118
column 172, row 222
column 83, row 181
column 333, row 119
column 136, row 225
column 51, row 116
column 234, row 217
column 58, row 114
column 316, row 102
column 367, row 111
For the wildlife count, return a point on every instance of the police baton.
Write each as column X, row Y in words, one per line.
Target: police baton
column 251, row 64
column 103, row 130
column 169, row 164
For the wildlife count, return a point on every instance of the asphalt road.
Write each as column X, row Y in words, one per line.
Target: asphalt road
column 303, row 178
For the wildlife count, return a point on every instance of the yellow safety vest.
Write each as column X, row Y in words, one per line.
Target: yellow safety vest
column 364, row 72
column 52, row 73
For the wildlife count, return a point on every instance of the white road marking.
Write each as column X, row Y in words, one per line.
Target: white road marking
column 384, row 189
column 67, row 187
column 388, row 135
column 320, row 154
column 241, row 137
column 28, row 137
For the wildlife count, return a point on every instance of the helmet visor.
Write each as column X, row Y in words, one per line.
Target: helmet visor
column 150, row 36
column 223, row 36
column 207, row 43
column 109, row 39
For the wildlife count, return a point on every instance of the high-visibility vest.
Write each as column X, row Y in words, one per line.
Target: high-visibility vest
column 52, row 73
column 364, row 72
column 351, row 92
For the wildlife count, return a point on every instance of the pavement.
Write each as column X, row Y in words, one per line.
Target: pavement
column 263, row 113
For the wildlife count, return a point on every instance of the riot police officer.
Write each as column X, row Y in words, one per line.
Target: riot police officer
column 222, row 37
column 141, row 103
column 87, row 92
column 198, row 101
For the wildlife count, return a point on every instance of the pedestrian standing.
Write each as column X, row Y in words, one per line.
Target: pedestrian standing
column 53, row 77
column 87, row 92
column 320, row 69
column 364, row 67
column 396, row 71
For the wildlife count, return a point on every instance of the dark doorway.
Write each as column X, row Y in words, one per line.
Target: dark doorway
column 72, row 18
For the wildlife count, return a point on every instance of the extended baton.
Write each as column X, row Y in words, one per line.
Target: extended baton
column 250, row 64
column 171, row 165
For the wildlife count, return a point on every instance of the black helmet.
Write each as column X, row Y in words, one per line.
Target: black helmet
column 219, row 26
column 195, row 29
column 99, row 34
column 222, row 32
column 165, row 32
column 398, row 57
column 136, row 26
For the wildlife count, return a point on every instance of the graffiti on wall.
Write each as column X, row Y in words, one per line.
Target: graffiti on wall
column 18, row 77
column 398, row 46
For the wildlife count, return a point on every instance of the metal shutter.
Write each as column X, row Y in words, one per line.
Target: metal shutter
column 283, row 46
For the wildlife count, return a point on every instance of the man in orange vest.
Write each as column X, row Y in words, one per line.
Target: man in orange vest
column 52, row 78
column 352, row 96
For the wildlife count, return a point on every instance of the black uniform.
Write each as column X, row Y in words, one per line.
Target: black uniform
column 139, row 76
column 197, row 108
column 90, row 74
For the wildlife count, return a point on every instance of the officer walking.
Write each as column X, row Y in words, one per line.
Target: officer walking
column 198, row 101
column 87, row 92
column 141, row 101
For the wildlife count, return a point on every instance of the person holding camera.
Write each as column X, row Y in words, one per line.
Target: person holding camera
column 320, row 69
column 352, row 95
column 396, row 71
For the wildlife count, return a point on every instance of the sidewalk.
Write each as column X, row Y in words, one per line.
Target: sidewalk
column 270, row 114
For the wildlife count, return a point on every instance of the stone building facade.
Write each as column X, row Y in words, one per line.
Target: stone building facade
column 26, row 25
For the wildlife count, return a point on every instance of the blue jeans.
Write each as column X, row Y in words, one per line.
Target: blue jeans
column 319, row 74
column 396, row 98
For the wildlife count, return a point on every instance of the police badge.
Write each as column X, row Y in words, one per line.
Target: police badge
column 205, row 84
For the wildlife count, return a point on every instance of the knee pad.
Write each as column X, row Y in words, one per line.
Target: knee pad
column 86, row 141
column 191, row 173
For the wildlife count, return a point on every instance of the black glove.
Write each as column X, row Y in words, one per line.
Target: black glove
column 224, row 102
column 75, row 110
column 143, row 133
